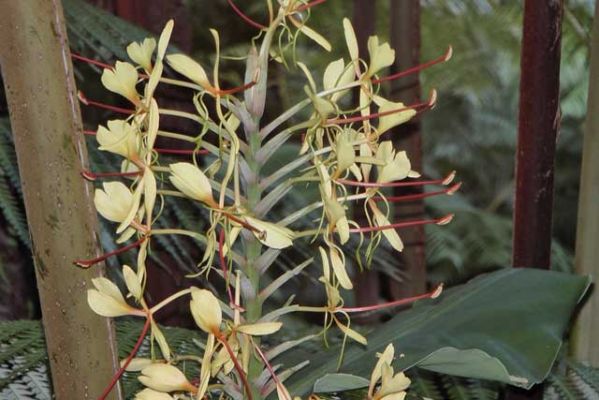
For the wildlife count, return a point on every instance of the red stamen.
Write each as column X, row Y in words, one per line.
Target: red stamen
column 445, row 181
column 235, row 89
column 92, row 176
column 406, row 224
column 180, row 151
column 309, row 5
column 358, row 118
column 242, row 375
column 89, row 263
column 411, row 197
column 223, row 265
column 89, row 132
column 88, row 102
column 99, row 63
column 244, row 17
column 269, row 367
column 134, row 351
column 445, row 57
column 431, row 295
column 90, row 61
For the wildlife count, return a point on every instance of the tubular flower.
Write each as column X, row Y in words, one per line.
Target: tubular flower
column 393, row 386
column 120, row 138
column 396, row 166
column 141, row 53
column 189, row 68
column 122, row 80
column 114, row 202
column 106, row 299
column 165, row 378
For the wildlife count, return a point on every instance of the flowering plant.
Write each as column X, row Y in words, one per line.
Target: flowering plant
column 346, row 153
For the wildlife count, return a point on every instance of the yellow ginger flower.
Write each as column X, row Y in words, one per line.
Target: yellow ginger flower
column 141, row 53
column 122, row 80
column 393, row 386
column 120, row 138
column 106, row 300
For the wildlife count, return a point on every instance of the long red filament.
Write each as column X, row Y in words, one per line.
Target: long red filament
column 244, row 17
column 242, row 375
column 105, row 106
column 418, row 196
column 404, row 224
column 431, row 295
column 134, row 351
column 92, row 176
column 445, row 57
column 445, row 181
column 377, row 115
column 309, row 5
column 89, row 263
column 269, row 367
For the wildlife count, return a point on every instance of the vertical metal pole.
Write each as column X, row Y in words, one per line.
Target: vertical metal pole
column 44, row 112
column 405, row 39
column 539, row 120
column 586, row 346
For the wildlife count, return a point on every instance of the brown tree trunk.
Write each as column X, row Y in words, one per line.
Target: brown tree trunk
column 405, row 39
column 37, row 72
column 538, row 127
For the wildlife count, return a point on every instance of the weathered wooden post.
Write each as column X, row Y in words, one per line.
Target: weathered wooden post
column 37, row 73
column 586, row 348
column 539, row 120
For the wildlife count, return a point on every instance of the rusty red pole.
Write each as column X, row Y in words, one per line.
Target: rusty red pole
column 539, row 120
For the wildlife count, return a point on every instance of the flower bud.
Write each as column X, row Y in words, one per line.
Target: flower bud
column 206, row 310
column 165, row 378
column 191, row 181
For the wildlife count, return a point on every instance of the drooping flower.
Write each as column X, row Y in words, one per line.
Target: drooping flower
column 141, row 53
column 189, row 68
column 381, row 56
column 393, row 119
column 120, row 138
column 122, row 80
column 396, row 166
column 106, row 299
column 393, row 386
column 114, row 202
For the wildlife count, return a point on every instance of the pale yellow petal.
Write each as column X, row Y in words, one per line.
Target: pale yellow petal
column 105, row 305
column 132, row 282
column 122, row 80
column 260, row 328
column 271, row 235
column 338, row 264
column 164, row 378
column 191, row 181
column 189, row 68
column 141, row 53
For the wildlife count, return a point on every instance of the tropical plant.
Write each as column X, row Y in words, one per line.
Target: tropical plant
column 346, row 159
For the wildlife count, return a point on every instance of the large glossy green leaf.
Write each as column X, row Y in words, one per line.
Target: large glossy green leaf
column 506, row 326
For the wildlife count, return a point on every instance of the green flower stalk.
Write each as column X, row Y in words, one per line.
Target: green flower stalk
column 345, row 154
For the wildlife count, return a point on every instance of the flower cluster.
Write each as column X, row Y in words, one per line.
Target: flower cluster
column 347, row 153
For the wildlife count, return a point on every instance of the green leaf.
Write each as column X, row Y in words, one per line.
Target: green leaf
column 509, row 323
column 339, row 383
